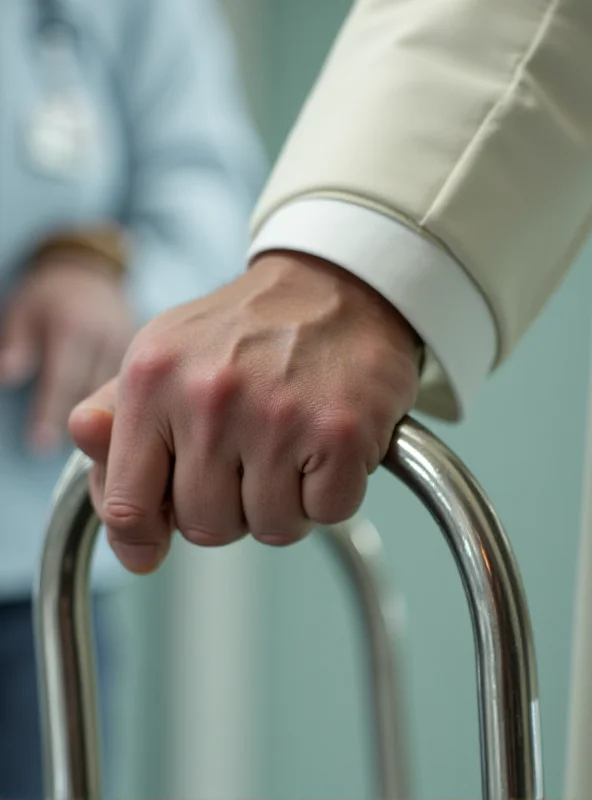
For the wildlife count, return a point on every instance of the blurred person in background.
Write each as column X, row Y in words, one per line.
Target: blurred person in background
column 127, row 171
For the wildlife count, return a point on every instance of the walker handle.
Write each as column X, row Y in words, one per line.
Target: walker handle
column 506, row 670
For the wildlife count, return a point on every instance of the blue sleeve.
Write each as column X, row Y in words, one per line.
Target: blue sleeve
column 196, row 163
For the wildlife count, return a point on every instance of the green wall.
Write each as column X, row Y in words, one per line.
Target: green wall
column 524, row 440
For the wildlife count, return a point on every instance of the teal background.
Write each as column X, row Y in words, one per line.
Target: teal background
column 523, row 439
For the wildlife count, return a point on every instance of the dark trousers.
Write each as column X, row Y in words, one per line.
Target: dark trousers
column 20, row 744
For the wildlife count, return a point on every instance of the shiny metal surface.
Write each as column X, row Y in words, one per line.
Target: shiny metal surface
column 357, row 549
column 511, row 762
column 508, row 700
column 64, row 646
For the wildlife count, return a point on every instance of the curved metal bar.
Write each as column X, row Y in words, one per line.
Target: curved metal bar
column 511, row 761
column 64, row 644
column 508, row 701
column 357, row 548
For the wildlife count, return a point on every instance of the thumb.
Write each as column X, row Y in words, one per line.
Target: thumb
column 18, row 346
column 91, row 422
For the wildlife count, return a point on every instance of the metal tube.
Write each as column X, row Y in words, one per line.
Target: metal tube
column 511, row 762
column 64, row 644
column 357, row 548
column 508, row 701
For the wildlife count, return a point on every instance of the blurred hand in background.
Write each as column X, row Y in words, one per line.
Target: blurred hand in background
column 66, row 327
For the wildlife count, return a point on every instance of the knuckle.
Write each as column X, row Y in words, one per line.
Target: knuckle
column 279, row 414
column 213, row 390
column 342, row 430
column 148, row 365
column 123, row 515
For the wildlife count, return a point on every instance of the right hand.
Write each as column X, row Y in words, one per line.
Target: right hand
column 263, row 408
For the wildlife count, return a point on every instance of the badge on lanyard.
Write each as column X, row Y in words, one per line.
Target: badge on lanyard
column 61, row 135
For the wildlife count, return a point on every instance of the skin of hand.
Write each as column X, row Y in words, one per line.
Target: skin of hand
column 261, row 408
column 67, row 326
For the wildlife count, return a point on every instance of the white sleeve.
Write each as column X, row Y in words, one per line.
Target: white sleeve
column 421, row 279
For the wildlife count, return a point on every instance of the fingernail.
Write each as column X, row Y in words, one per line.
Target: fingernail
column 93, row 403
column 88, row 413
column 86, row 407
column 138, row 558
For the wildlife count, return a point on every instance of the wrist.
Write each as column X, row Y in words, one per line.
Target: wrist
column 322, row 274
column 100, row 249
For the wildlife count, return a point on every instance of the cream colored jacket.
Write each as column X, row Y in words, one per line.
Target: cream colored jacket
column 445, row 156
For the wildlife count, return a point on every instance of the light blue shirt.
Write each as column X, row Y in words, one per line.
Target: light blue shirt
column 176, row 163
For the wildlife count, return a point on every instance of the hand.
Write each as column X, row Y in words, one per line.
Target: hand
column 69, row 324
column 263, row 408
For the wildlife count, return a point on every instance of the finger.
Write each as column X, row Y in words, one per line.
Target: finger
column 91, row 422
column 272, row 501
column 138, row 470
column 18, row 347
column 90, row 425
column 334, row 491
column 66, row 366
column 207, row 496
column 336, row 474
column 208, row 472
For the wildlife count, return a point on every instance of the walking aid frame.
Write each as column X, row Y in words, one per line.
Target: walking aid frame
column 508, row 701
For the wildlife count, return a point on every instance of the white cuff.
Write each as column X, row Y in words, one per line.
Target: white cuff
column 426, row 285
